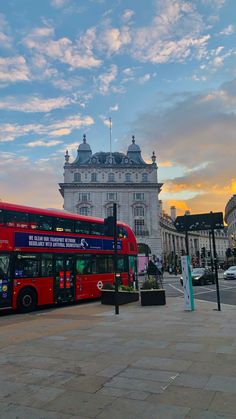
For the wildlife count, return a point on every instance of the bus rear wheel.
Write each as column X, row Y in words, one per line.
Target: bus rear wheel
column 27, row 300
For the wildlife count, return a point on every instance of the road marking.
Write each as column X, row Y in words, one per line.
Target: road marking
column 177, row 289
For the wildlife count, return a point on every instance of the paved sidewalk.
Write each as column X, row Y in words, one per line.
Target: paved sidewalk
column 83, row 361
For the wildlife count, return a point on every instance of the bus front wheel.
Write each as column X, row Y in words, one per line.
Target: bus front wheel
column 27, row 300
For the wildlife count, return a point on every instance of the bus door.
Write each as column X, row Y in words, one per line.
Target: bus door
column 5, row 281
column 83, row 269
column 64, row 284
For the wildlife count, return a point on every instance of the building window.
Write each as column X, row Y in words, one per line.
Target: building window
column 111, row 196
column 94, row 177
column 84, row 197
column 111, row 177
column 139, row 196
column 110, row 211
column 84, row 211
column 139, row 227
column 139, row 211
column 144, row 177
column 77, row 177
column 128, row 177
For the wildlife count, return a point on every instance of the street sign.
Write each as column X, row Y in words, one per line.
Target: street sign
column 200, row 222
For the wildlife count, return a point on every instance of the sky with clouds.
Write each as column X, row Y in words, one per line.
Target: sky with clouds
column 164, row 71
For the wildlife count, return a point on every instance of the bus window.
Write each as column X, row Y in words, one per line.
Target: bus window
column 132, row 263
column 121, row 264
column 82, row 227
column 110, row 264
column 4, row 265
column 63, row 224
column 27, row 266
column 1, row 217
column 122, row 232
column 83, row 264
column 41, row 222
column 97, row 229
column 46, row 264
column 101, row 264
column 16, row 219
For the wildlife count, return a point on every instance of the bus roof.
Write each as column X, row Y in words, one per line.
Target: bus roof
column 52, row 212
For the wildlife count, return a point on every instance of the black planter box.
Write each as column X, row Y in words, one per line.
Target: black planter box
column 124, row 297
column 153, row 297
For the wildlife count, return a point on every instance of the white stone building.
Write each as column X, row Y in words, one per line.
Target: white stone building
column 173, row 242
column 93, row 182
column 230, row 219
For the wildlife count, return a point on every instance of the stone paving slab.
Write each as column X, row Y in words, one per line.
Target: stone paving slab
column 83, row 361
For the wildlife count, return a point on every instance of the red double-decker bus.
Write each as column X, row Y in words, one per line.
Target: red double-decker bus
column 52, row 257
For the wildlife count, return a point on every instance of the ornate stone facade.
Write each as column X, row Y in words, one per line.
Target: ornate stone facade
column 173, row 242
column 230, row 219
column 93, row 182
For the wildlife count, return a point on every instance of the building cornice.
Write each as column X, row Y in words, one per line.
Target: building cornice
column 111, row 185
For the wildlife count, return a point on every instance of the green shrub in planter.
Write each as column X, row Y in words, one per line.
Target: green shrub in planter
column 126, row 294
column 151, row 293
column 150, row 284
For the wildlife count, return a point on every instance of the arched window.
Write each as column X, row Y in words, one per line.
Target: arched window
column 77, row 177
column 110, row 211
column 94, row 177
column 144, row 177
column 139, row 211
column 128, row 177
column 84, row 211
column 139, row 227
column 111, row 177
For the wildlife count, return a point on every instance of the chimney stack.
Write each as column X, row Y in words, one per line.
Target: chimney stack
column 173, row 213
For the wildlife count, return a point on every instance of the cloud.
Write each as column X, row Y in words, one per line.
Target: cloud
column 113, row 40
column 5, row 37
column 104, row 80
column 10, row 132
column 58, row 4
column 78, row 54
column 34, row 104
column 69, row 124
column 23, row 178
column 173, row 35
column 229, row 30
column 14, row 69
column 127, row 15
column 144, row 78
column 200, row 132
column 41, row 143
column 165, row 164
column 114, row 108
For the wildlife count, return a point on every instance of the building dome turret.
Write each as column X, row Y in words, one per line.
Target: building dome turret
column 134, row 152
column 84, row 152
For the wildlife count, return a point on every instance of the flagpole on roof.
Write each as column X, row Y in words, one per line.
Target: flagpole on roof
column 110, row 134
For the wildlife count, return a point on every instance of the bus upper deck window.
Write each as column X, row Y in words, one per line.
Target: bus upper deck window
column 41, row 222
column 16, row 219
column 122, row 232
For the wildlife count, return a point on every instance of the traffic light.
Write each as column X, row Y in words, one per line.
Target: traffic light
column 203, row 252
column 109, row 226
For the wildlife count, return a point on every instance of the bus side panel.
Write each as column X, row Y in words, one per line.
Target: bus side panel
column 97, row 282
column 124, row 277
column 42, row 286
column 83, row 287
